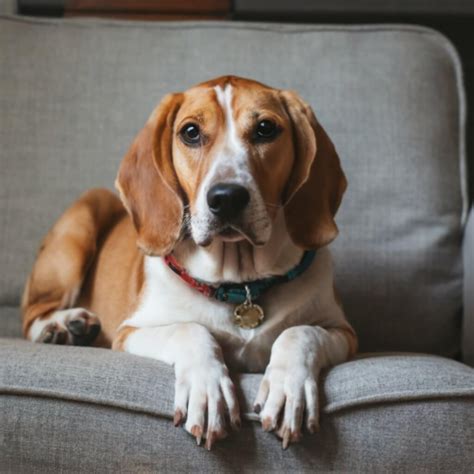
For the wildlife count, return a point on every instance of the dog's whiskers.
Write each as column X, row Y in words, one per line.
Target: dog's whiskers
column 275, row 206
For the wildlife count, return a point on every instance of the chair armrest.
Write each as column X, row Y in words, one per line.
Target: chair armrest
column 468, row 303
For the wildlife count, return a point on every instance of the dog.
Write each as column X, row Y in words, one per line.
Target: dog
column 215, row 257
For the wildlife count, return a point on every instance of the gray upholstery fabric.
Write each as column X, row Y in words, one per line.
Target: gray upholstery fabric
column 8, row 7
column 10, row 321
column 468, row 326
column 73, row 437
column 74, row 93
column 113, row 378
column 99, row 410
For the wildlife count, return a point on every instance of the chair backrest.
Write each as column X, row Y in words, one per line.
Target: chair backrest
column 74, row 93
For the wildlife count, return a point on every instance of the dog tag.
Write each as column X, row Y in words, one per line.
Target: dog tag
column 248, row 315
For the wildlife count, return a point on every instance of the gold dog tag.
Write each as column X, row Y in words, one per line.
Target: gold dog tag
column 248, row 315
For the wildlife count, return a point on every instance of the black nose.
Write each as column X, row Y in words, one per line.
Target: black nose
column 227, row 200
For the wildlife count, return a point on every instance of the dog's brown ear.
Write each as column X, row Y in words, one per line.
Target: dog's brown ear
column 148, row 184
column 317, row 183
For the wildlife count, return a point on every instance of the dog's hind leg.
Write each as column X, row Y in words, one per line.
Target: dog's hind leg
column 64, row 257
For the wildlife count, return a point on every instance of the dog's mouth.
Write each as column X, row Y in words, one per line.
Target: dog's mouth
column 231, row 233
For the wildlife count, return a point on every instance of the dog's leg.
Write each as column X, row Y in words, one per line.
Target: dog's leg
column 53, row 287
column 202, row 384
column 290, row 381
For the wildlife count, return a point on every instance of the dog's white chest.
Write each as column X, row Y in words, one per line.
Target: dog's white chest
column 167, row 300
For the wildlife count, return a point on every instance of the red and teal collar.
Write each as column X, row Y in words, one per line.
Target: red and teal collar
column 237, row 292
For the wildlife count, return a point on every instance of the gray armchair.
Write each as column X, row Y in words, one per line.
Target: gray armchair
column 72, row 96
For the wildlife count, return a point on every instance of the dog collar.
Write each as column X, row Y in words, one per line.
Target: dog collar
column 240, row 293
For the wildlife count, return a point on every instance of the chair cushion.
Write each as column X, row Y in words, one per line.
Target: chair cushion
column 8, row 7
column 74, row 93
column 95, row 409
column 10, row 321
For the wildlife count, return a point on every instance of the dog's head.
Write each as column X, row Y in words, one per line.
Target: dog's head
column 219, row 160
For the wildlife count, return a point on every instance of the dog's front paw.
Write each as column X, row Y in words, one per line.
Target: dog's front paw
column 283, row 396
column 206, row 390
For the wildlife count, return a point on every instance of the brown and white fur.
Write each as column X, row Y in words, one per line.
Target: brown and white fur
column 100, row 279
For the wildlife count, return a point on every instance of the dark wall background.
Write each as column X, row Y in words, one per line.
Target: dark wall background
column 454, row 18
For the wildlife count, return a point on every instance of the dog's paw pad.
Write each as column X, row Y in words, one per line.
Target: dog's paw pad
column 53, row 333
column 83, row 326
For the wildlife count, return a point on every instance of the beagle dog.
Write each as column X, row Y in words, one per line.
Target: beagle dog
column 215, row 256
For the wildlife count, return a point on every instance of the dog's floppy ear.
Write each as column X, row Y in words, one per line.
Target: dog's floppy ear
column 317, row 183
column 148, row 184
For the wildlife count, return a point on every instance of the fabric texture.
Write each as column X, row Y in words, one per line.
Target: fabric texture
column 102, row 411
column 10, row 321
column 74, row 94
column 468, row 326
column 417, row 437
column 8, row 7
column 105, row 377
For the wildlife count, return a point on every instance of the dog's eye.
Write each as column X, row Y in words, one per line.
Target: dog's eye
column 190, row 134
column 266, row 130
